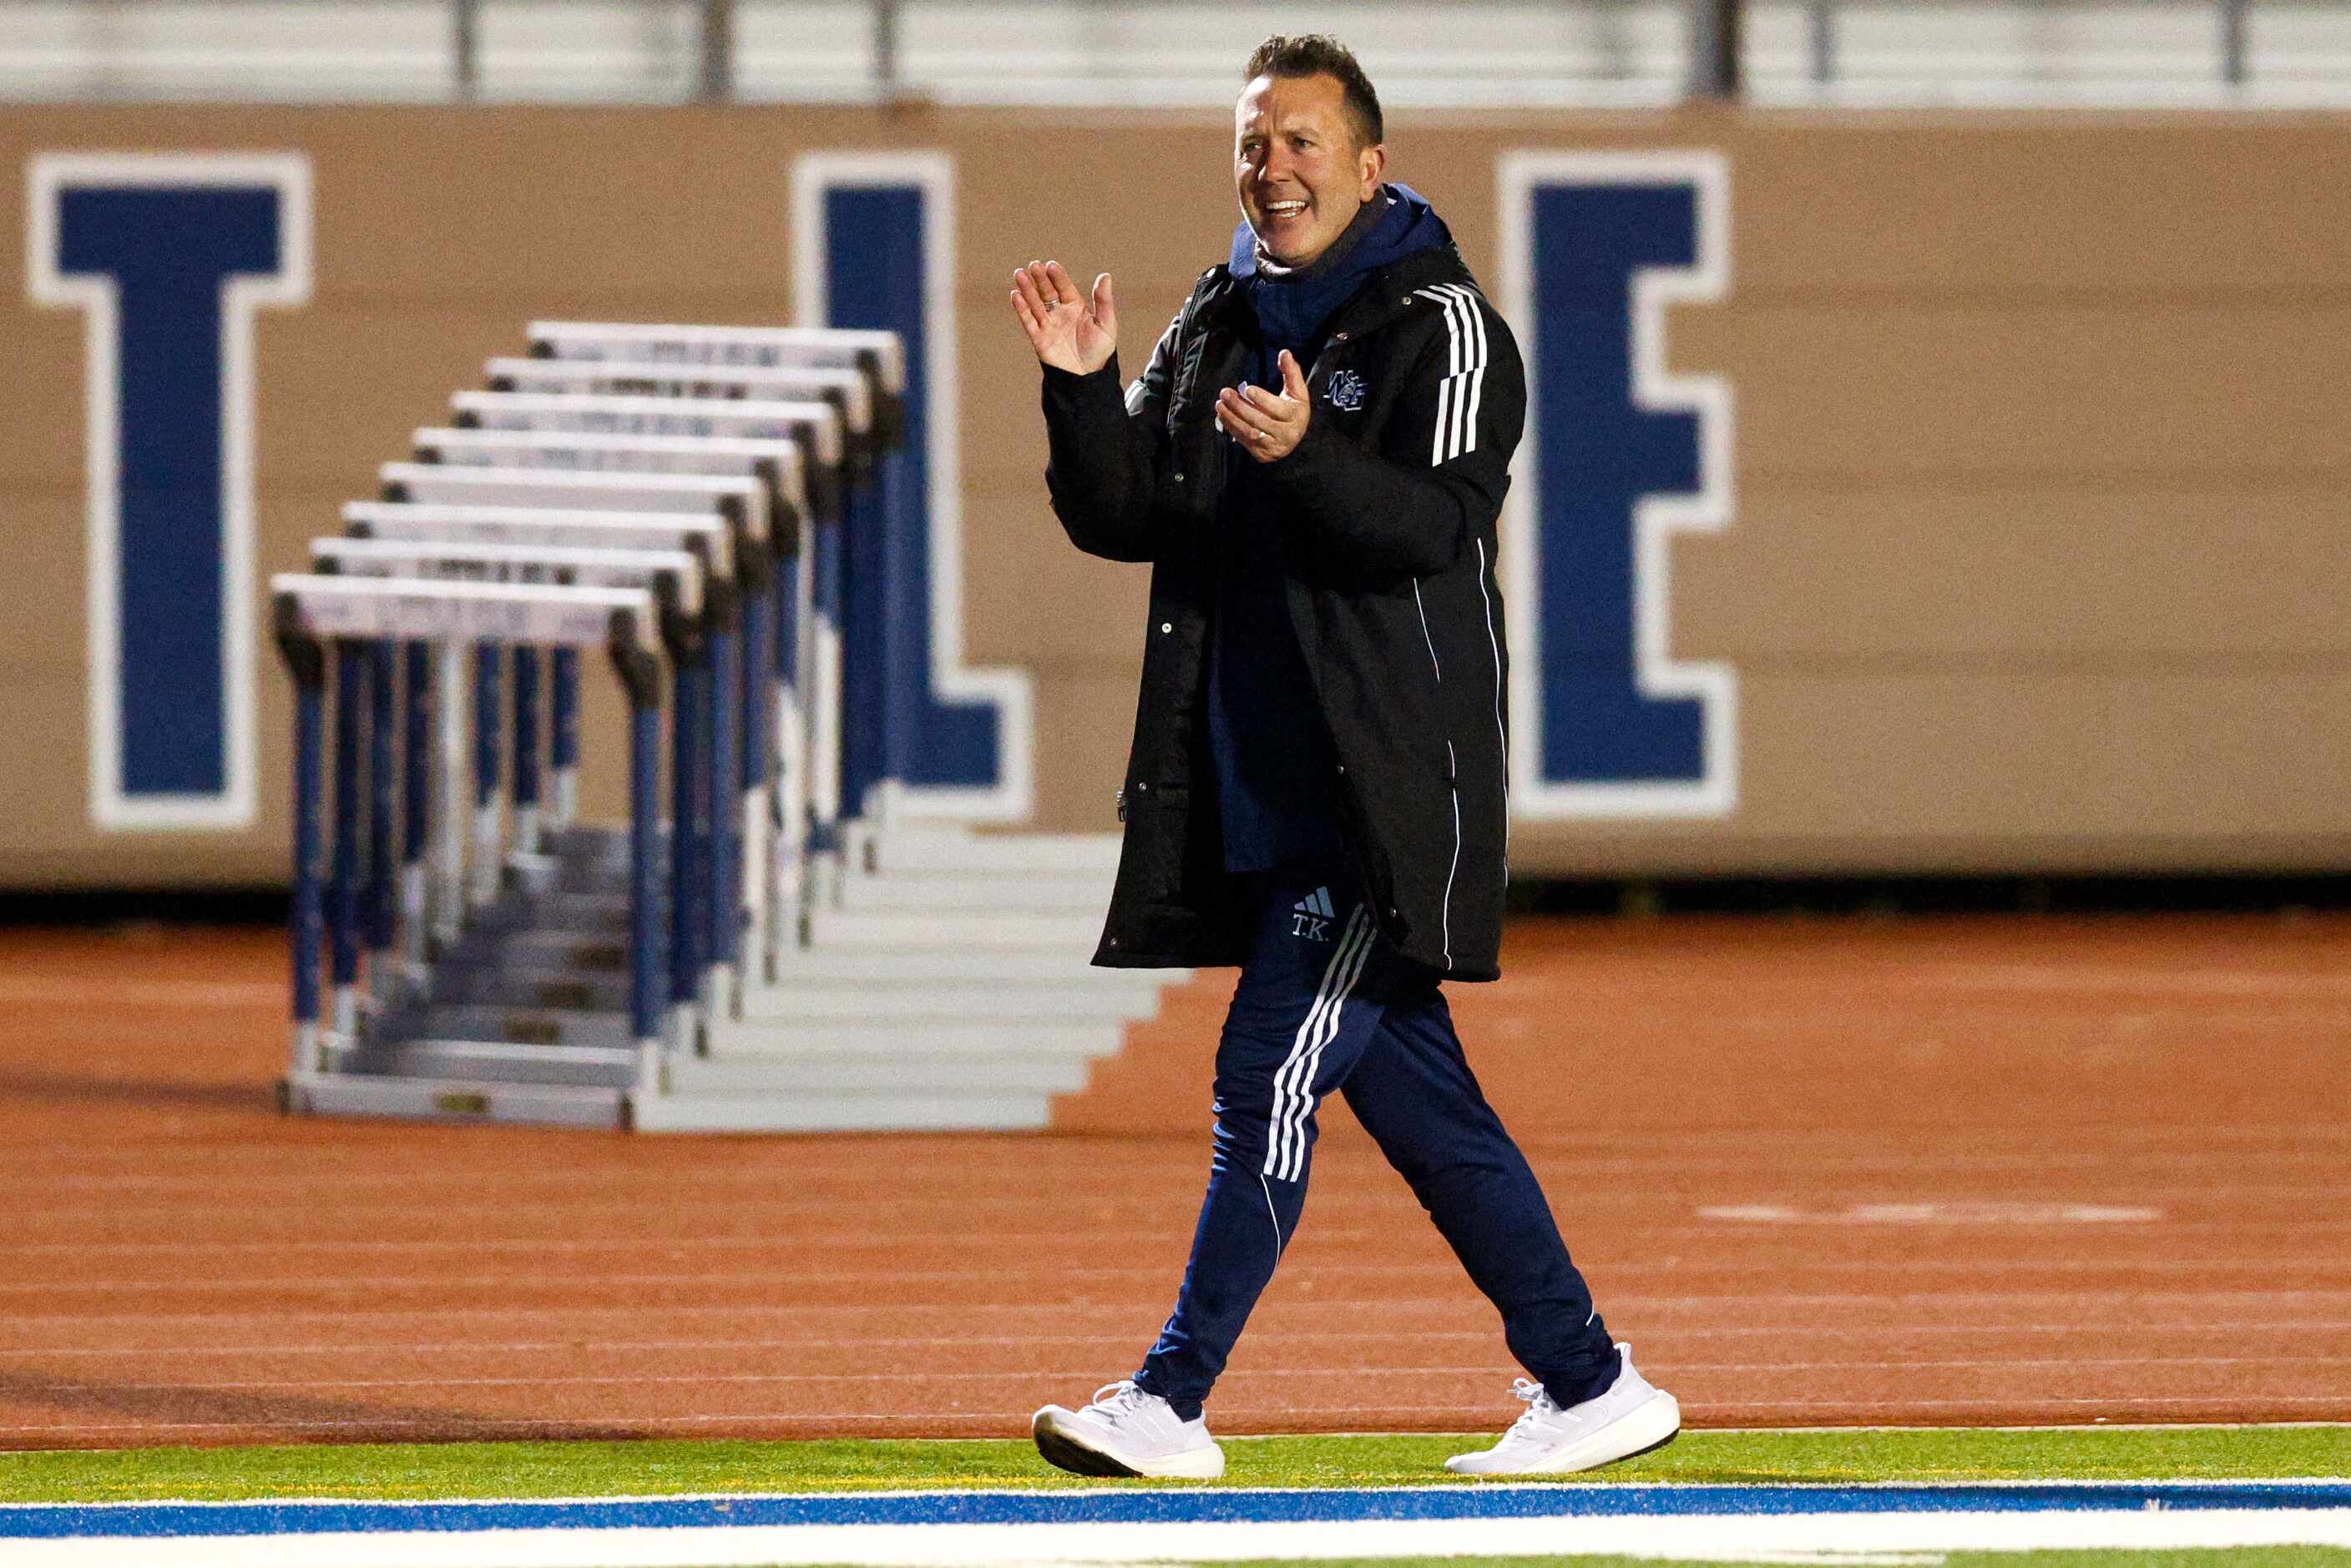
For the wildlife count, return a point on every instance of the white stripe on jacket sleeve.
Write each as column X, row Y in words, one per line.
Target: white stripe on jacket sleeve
column 1462, row 392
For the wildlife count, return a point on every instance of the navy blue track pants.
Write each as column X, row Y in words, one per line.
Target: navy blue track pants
column 1320, row 1007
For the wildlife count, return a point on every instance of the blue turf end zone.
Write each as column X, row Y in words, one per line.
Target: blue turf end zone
column 152, row 1520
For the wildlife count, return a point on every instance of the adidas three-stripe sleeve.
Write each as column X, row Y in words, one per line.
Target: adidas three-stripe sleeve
column 1438, row 478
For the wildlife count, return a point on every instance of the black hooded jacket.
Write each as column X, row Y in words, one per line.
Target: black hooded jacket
column 1387, row 512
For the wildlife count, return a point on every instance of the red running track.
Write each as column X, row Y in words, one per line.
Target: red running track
column 1965, row 1173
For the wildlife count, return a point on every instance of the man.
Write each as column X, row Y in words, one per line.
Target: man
column 1312, row 462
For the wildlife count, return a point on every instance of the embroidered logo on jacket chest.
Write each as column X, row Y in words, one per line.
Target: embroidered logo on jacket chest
column 1345, row 391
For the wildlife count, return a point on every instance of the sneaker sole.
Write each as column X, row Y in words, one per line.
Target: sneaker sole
column 1079, row 1458
column 1643, row 1429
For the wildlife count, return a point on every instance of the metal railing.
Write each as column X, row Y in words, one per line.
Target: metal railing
column 1119, row 52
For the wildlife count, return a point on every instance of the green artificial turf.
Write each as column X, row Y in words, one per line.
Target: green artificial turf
column 652, row 1468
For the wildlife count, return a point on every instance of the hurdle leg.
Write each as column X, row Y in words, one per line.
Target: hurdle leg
column 449, row 794
column 304, row 931
column 788, row 856
column 724, row 915
column 757, row 788
column 864, row 697
column 483, row 885
column 903, row 678
column 563, row 738
column 825, row 717
column 526, row 750
column 416, row 801
column 342, row 892
column 639, row 676
column 689, row 712
column 383, row 823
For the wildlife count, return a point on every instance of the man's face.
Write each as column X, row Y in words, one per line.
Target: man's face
column 1301, row 176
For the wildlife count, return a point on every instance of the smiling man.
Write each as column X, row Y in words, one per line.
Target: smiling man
column 1313, row 461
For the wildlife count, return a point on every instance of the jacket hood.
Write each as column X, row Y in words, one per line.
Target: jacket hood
column 1408, row 227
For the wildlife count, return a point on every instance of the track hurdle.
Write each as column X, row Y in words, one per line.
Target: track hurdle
column 816, row 427
column 880, row 356
column 944, row 987
column 883, row 539
column 776, row 753
column 738, row 497
column 704, row 912
column 351, row 617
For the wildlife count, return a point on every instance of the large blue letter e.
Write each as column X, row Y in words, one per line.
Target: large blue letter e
column 1621, row 454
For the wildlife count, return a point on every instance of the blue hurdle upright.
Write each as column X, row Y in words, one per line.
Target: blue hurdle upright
column 336, row 1063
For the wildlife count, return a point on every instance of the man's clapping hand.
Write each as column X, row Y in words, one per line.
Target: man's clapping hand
column 1069, row 331
column 1268, row 424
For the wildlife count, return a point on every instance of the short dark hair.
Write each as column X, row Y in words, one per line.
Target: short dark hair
column 1319, row 54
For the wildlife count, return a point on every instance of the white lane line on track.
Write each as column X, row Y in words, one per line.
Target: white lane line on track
column 1361, row 1374
column 1257, row 1370
column 457, row 1421
column 1447, row 1267
column 1622, row 1304
column 1690, row 1538
column 1740, row 1223
column 2125, row 1173
column 2223, row 1328
column 1179, row 1150
column 814, row 1157
column 1107, row 1219
column 57, row 991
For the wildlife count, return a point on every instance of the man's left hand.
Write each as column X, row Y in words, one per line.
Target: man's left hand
column 1270, row 424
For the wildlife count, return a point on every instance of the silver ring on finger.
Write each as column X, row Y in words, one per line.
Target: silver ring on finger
column 1260, row 435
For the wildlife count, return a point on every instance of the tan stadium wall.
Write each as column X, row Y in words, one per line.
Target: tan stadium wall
column 2043, row 445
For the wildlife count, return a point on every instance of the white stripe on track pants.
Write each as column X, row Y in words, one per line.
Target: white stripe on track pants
column 1321, row 1005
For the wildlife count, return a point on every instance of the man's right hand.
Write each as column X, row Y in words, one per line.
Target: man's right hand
column 1069, row 331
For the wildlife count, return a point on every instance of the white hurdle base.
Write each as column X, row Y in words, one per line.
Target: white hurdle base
column 945, row 985
column 455, row 1099
column 878, row 1111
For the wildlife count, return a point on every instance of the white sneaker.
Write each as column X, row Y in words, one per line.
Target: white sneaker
column 1126, row 1432
column 1632, row 1417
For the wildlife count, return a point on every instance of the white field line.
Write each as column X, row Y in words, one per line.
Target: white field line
column 1004, row 1421
column 1447, row 1268
column 1494, row 1370
column 1813, row 1537
column 1621, row 1304
column 2223, row 1328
